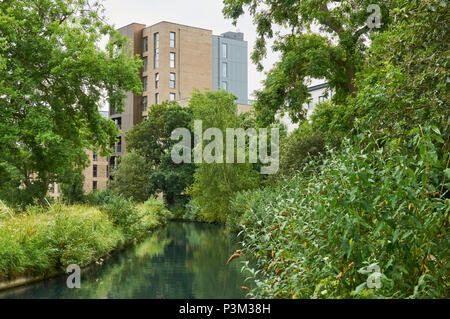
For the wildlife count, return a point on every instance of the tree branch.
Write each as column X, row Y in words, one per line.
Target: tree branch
column 331, row 21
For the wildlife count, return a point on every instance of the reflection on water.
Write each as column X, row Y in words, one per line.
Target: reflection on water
column 182, row 260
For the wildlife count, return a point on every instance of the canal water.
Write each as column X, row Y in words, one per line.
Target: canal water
column 181, row 260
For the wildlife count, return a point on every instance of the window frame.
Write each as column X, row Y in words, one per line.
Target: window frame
column 144, row 83
column 224, row 70
column 172, row 82
column 145, row 63
column 172, row 62
column 172, row 42
column 156, row 50
column 222, row 85
column 144, row 44
column 224, row 53
column 144, row 103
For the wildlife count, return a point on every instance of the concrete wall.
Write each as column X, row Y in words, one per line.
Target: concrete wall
column 237, row 65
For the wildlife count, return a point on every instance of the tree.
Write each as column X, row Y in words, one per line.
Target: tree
column 336, row 53
column 216, row 183
column 54, row 78
column 405, row 80
column 151, row 139
column 72, row 185
column 131, row 178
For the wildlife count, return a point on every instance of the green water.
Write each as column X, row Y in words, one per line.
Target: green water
column 182, row 260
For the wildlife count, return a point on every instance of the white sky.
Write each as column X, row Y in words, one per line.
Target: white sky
column 205, row 14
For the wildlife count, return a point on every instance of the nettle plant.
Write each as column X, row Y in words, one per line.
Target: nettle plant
column 387, row 206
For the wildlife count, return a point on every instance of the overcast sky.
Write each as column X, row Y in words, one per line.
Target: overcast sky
column 205, row 14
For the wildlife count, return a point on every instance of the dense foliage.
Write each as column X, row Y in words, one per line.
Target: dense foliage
column 131, row 178
column 322, row 39
column 379, row 197
column 151, row 140
column 46, row 240
column 216, row 183
column 313, row 234
column 53, row 80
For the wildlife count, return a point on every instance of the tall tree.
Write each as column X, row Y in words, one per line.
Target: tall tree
column 334, row 52
column 216, row 183
column 53, row 80
column 131, row 178
column 151, row 139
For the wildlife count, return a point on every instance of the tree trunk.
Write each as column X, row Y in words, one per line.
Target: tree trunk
column 350, row 74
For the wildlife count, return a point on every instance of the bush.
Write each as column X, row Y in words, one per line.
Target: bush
column 153, row 213
column 132, row 178
column 314, row 235
column 124, row 214
column 45, row 240
column 99, row 197
column 297, row 148
column 192, row 211
column 40, row 241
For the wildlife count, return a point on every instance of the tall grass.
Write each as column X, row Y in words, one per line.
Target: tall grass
column 45, row 240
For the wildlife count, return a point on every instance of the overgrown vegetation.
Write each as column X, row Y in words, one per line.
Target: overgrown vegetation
column 42, row 241
column 378, row 194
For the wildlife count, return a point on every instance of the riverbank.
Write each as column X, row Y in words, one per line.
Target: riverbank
column 181, row 260
column 42, row 242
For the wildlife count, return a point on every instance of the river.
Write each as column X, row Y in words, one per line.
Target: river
column 182, row 260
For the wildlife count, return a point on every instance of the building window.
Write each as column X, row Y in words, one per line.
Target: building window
column 156, row 80
column 172, row 39
column 172, row 80
column 321, row 99
column 107, row 171
column 172, row 60
column 172, row 97
column 119, row 145
column 145, row 61
column 224, row 85
column 118, row 121
column 144, row 83
column 224, row 51
column 94, row 157
column 156, row 40
column 94, row 171
column 145, row 44
column 94, row 185
column 224, row 69
column 144, row 103
column 156, row 98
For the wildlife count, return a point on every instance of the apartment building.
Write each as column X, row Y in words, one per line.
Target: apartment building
column 178, row 59
column 319, row 92
column 96, row 175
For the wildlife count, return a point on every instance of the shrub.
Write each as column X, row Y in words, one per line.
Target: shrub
column 131, row 178
column 191, row 211
column 153, row 213
column 298, row 147
column 124, row 214
column 40, row 242
column 99, row 197
column 314, row 235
